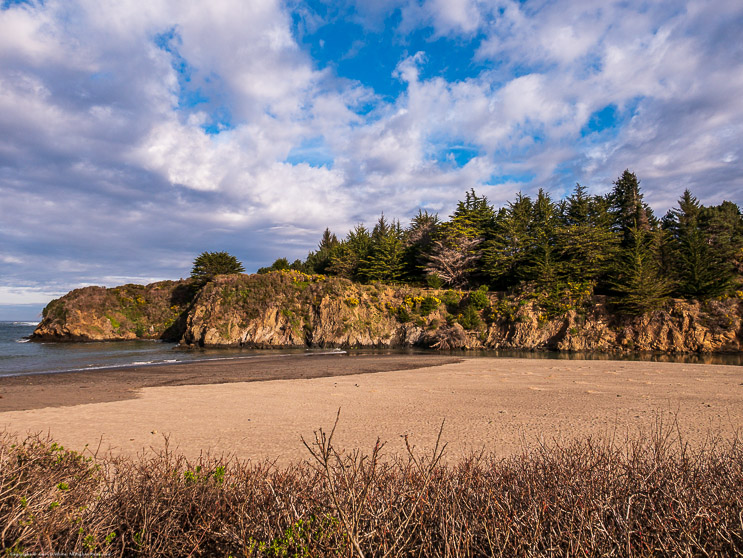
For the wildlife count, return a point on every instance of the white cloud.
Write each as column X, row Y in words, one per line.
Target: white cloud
column 27, row 295
column 105, row 162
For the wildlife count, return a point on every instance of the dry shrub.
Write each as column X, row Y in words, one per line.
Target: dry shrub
column 646, row 496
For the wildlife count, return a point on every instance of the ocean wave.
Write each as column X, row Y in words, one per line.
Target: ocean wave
column 23, row 340
column 24, row 323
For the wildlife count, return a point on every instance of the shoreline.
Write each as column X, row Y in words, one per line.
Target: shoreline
column 98, row 385
column 501, row 406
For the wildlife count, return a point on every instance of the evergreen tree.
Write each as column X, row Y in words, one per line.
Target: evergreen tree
column 627, row 207
column 209, row 264
column 418, row 240
column 474, row 217
column 723, row 225
column 506, row 254
column 348, row 255
column 282, row 264
column 384, row 261
column 541, row 263
column 691, row 257
column 639, row 283
column 319, row 261
column 587, row 243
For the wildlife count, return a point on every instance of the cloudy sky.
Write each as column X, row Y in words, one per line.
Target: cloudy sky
column 135, row 135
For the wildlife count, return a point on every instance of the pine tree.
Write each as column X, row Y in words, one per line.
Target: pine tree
column 384, row 262
column 639, row 284
column 690, row 255
column 474, row 217
column 418, row 240
column 724, row 226
column 541, row 263
column 506, row 253
column 627, row 207
column 587, row 243
column 319, row 261
column 350, row 252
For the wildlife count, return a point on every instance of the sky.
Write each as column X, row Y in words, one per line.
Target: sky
column 136, row 135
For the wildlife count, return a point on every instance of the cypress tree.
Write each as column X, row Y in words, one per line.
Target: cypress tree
column 319, row 261
column 691, row 258
column 347, row 257
column 384, row 261
column 541, row 262
column 418, row 240
column 628, row 209
column 587, row 243
column 507, row 252
column 637, row 278
column 639, row 285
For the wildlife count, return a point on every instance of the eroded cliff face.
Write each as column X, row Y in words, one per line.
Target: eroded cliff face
column 155, row 311
column 291, row 309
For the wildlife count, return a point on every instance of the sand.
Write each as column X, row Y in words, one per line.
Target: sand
column 498, row 405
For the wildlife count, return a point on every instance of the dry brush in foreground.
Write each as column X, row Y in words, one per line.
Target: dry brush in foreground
column 653, row 495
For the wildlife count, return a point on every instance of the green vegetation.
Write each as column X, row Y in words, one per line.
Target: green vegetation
column 551, row 250
column 209, row 264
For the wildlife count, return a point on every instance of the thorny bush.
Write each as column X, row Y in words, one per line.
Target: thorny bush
column 651, row 495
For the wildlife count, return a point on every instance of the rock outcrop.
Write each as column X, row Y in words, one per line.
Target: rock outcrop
column 156, row 311
column 292, row 309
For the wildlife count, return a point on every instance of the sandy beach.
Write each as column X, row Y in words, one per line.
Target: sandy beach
column 261, row 408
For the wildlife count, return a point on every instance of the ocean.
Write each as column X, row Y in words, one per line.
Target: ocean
column 19, row 356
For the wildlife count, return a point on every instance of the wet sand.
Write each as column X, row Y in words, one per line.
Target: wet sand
column 116, row 384
column 498, row 405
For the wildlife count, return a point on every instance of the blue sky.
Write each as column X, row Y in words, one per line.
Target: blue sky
column 135, row 136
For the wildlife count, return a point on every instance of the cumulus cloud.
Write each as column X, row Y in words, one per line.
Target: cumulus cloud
column 136, row 136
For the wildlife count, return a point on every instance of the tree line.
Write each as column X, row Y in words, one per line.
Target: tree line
column 584, row 244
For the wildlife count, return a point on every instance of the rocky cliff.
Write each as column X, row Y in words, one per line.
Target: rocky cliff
column 156, row 311
column 291, row 309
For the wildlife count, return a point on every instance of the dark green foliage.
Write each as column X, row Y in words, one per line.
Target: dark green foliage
column 506, row 254
column 451, row 299
column 551, row 251
column 384, row 260
column 403, row 315
column 542, row 263
column 434, row 281
column 418, row 240
column 691, row 255
column 428, row 305
column 587, row 243
column 474, row 217
column 320, row 260
column 479, row 298
column 347, row 256
column 639, row 285
column 209, row 264
column 628, row 209
column 283, row 264
column 703, row 247
column 469, row 318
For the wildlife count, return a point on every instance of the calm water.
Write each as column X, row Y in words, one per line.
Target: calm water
column 19, row 356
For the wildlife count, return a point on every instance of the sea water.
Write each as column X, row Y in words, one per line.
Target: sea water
column 20, row 356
